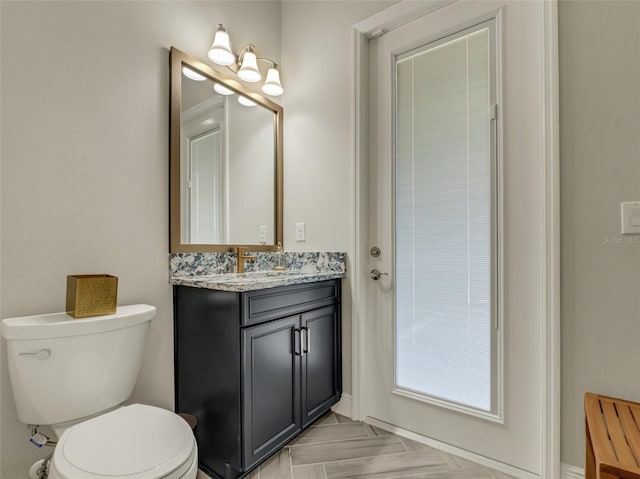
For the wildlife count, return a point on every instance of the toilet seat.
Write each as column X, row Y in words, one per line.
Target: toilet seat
column 133, row 442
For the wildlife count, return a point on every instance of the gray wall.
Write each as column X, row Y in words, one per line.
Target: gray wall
column 317, row 49
column 85, row 118
column 600, row 167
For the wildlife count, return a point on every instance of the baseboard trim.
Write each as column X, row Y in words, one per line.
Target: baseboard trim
column 568, row 471
column 456, row 451
column 343, row 407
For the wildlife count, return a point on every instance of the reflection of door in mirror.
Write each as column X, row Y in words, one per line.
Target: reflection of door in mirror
column 202, row 189
column 205, row 187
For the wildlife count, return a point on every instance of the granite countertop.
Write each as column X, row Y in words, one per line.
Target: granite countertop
column 252, row 280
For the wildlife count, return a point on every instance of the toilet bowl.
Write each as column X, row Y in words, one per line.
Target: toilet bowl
column 73, row 375
column 133, row 442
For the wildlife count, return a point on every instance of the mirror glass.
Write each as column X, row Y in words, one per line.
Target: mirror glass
column 225, row 162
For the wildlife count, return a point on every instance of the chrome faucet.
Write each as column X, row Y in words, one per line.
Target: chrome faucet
column 242, row 257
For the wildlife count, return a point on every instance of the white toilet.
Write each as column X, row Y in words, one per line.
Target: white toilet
column 73, row 375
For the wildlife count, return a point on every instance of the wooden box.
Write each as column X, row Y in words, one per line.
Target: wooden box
column 91, row 295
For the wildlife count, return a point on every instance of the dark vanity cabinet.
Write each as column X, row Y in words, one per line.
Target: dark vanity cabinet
column 255, row 368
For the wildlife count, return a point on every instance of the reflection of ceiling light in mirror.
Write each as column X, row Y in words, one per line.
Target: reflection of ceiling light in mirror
column 221, row 89
column 243, row 100
column 191, row 75
column 220, row 51
column 272, row 84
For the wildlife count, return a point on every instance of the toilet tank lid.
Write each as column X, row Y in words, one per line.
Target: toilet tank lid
column 60, row 325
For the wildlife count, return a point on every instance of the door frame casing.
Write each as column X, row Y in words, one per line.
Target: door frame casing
column 547, row 25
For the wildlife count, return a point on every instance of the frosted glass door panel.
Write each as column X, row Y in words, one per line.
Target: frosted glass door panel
column 444, row 215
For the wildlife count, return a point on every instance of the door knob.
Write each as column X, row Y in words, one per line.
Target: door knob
column 375, row 275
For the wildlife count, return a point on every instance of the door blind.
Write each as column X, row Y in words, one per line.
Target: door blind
column 444, row 213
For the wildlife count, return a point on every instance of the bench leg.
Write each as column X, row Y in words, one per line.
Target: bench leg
column 590, row 460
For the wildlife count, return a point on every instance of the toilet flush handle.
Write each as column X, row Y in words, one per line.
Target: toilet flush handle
column 41, row 355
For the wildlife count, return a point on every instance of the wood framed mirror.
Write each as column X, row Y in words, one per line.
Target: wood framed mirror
column 226, row 167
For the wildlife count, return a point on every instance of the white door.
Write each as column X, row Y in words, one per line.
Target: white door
column 205, row 186
column 453, row 340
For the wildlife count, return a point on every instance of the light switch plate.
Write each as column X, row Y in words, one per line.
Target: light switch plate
column 300, row 232
column 262, row 234
column 630, row 217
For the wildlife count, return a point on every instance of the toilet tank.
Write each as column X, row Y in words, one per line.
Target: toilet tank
column 63, row 369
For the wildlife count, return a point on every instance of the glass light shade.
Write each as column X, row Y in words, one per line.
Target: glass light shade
column 191, row 75
column 220, row 51
column 272, row 85
column 243, row 100
column 222, row 89
column 249, row 69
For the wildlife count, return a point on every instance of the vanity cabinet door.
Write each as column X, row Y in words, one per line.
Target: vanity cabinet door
column 270, row 387
column 321, row 362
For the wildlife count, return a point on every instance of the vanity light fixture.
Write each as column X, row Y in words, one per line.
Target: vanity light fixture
column 272, row 84
column 244, row 65
column 249, row 68
column 220, row 51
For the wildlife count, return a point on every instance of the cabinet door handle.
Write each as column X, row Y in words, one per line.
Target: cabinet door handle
column 307, row 340
column 296, row 350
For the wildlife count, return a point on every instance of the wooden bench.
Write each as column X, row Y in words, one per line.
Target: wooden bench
column 613, row 438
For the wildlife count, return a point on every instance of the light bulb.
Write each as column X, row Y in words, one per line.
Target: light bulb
column 243, row 100
column 220, row 51
column 272, row 85
column 222, row 89
column 191, row 75
column 249, row 69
